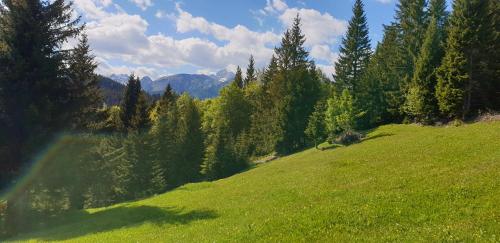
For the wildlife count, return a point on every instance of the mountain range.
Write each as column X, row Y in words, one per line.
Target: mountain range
column 200, row 86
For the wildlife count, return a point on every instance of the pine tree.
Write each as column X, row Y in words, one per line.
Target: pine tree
column 463, row 71
column 231, row 121
column 271, row 70
column 165, row 137
column 85, row 92
column 294, row 90
column 355, row 52
column 238, row 78
column 191, row 147
column 251, row 76
column 32, row 63
column 134, row 106
column 421, row 103
column 412, row 22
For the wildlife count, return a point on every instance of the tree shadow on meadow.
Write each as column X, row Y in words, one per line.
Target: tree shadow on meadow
column 84, row 223
column 329, row 146
column 380, row 135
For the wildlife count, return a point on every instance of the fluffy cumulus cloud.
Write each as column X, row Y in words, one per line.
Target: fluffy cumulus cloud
column 119, row 37
column 240, row 40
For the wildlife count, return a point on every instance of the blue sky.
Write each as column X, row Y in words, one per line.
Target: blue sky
column 157, row 38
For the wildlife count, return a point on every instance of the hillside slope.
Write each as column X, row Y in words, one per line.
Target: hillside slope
column 403, row 183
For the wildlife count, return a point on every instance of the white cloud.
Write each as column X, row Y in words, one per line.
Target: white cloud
column 274, row 6
column 319, row 28
column 241, row 42
column 160, row 14
column 324, row 53
column 328, row 70
column 121, row 36
column 93, row 9
column 142, row 4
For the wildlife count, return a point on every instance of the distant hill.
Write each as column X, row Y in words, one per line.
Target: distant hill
column 197, row 85
column 112, row 91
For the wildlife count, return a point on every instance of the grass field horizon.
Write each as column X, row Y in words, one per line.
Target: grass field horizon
column 401, row 183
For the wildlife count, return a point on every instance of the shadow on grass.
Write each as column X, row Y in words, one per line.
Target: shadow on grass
column 336, row 145
column 330, row 146
column 84, row 223
column 380, row 135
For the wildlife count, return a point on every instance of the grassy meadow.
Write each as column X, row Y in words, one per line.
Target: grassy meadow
column 403, row 183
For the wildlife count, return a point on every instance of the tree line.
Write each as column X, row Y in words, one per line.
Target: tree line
column 430, row 66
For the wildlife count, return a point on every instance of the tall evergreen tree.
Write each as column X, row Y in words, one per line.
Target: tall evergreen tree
column 165, row 138
column 412, row 22
column 238, row 78
column 191, row 147
column 465, row 66
column 134, row 105
column 251, row 76
column 420, row 101
column 85, row 90
column 32, row 63
column 355, row 51
column 232, row 121
column 271, row 70
column 294, row 90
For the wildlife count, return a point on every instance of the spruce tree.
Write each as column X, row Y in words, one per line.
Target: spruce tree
column 165, row 137
column 412, row 22
column 421, row 103
column 238, row 78
column 294, row 90
column 355, row 51
column 271, row 70
column 34, row 85
column 134, row 106
column 463, row 72
column 191, row 147
column 85, row 92
column 251, row 75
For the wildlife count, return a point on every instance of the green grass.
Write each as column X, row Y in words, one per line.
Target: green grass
column 403, row 183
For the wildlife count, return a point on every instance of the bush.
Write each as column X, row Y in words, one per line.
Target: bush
column 348, row 137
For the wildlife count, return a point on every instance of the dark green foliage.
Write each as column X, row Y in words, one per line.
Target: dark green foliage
column 251, row 75
column 465, row 77
column 225, row 153
column 270, row 71
column 86, row 96
column 238, row 78
column 382, row 92
column 294, row 90
column 190, row 140
column 355, row 52
column 412, row 22
column 420, row 100
column 134, row 106
column 35, row 93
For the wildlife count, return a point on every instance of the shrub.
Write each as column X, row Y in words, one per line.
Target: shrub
column 348, row 137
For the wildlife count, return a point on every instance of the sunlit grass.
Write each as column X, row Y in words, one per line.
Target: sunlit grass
column 403, row 183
